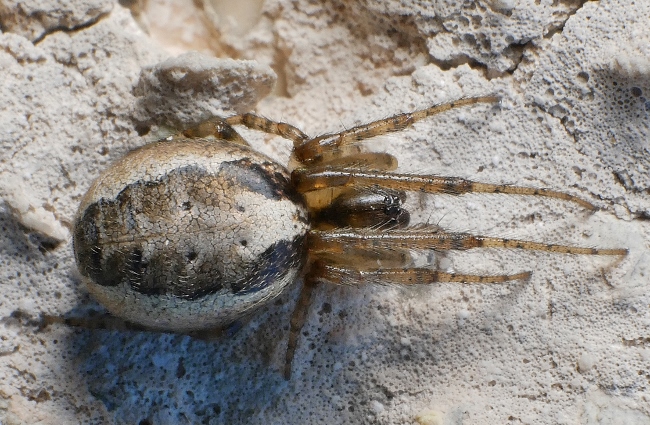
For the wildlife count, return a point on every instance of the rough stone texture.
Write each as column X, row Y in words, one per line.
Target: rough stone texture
column 185, row 90
column 579, row 80
column 33, row 19
column 493, row 33
column 570, row 346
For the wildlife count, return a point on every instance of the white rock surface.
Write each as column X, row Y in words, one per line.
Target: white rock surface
column 33, row 19
column 572, row 345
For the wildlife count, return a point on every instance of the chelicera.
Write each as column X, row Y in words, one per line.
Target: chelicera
column 195, row 231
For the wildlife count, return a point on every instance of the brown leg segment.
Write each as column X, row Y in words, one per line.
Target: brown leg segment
column 215, row 127
column 378, row 161
column 328, row 146
column 306, row 180
column 431, row 237
column 406, row 276
column 255, row 122
column 298, row 319
column 323, row 147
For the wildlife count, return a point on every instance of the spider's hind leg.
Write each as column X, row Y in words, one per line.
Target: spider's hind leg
column 259, row 123
column 358, row 264
column 214, row 127
column 298, row 319
column 406, row 276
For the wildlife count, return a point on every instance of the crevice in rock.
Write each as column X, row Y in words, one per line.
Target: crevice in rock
column 72, row 29
column 552, row 30
column 446, row 65
column 523, row 48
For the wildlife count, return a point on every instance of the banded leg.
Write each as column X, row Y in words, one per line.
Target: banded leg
column 298, row 318
column 323, row 148
column 282, row 129
column 321, row 271
column 405, row 276
column 353, row 156
column 430, row 237
column 215, row 127
column 307, row 180
column 333, row 147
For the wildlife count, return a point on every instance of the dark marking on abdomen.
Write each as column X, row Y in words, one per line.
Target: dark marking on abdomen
column 274, row 264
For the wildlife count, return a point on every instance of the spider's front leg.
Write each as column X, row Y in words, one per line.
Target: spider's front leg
column 328, row 147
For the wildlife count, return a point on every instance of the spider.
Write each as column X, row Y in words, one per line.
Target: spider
column 195, row 231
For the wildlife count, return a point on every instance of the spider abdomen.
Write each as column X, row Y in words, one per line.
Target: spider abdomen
column 190, row 234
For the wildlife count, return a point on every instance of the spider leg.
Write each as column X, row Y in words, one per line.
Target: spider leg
column 377, row 161
column 406, row 276
column 363, row 272
column 282, row 129
column 213, row 127
column 309, row 179
column 352, row 156
column 298, row 319
column 362, row 256
column 322, row 148
column 430, row 237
